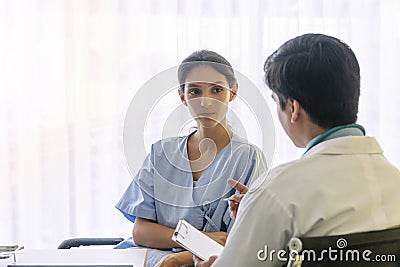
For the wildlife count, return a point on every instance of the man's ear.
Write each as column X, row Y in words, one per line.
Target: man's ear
column 294, row 109
column 233, row 92
column 182, row 96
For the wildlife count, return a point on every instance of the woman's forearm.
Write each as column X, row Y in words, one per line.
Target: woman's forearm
column 149, row 234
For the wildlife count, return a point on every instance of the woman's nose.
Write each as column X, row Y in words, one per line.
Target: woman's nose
column 205, row 102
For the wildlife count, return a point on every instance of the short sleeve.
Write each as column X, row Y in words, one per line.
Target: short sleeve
column 138, row 199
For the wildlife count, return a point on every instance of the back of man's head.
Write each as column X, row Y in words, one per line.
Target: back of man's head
column 321, row 73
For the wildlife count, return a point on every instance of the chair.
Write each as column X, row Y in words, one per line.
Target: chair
column 375, row 248
column 89, row 241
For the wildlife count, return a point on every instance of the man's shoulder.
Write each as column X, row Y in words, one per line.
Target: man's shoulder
column 290, row 175
column 326, row 166
column 347, row 145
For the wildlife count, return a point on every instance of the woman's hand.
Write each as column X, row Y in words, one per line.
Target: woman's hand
column 170, row 260
column 175, row 259
column 200, row 263
column 220, row 237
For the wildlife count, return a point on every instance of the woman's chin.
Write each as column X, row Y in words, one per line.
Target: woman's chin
column 207, row 122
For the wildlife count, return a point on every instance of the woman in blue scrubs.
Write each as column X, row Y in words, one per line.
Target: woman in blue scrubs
column 185, row 177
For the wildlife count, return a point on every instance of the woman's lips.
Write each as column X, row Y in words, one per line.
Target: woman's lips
column 207, row 114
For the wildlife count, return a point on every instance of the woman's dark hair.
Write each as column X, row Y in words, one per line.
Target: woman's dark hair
column 207, row 58
column 321, row 73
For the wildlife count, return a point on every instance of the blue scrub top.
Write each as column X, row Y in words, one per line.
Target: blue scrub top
column 163, row 190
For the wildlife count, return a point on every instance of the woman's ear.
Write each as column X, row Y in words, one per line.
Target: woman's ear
column 233, row 92
column 182, row 96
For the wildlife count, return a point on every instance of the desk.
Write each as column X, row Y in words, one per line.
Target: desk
column 111, row 257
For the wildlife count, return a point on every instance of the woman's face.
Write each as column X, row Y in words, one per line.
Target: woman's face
column 207, row 95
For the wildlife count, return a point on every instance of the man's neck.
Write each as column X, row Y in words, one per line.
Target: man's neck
column 310, row 132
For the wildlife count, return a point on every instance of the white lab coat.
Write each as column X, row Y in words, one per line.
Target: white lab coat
column 339, row 186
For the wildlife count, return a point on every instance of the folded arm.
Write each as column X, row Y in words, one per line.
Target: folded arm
column 153, row 235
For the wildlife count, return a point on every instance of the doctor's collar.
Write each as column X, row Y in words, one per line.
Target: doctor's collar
column 335, row 132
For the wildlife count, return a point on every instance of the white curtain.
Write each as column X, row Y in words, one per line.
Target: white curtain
column 69, row 69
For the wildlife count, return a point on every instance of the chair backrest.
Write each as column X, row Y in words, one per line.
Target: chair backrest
column 89, row 241
column 375, row 248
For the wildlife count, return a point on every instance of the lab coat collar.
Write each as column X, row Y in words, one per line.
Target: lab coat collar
column 346, row 145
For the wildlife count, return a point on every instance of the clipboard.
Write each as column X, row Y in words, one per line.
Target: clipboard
column 195, row 241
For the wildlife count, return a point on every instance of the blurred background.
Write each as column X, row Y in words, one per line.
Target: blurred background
column 69, row 69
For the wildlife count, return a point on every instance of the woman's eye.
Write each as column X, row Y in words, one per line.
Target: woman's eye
column 194, row 91
column 218, row 89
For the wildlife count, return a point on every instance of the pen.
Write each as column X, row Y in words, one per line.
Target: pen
column 230, row 199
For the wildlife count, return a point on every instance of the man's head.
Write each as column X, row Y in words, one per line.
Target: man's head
column 321, row 74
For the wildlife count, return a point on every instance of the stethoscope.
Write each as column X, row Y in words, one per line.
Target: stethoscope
column 323, row 136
